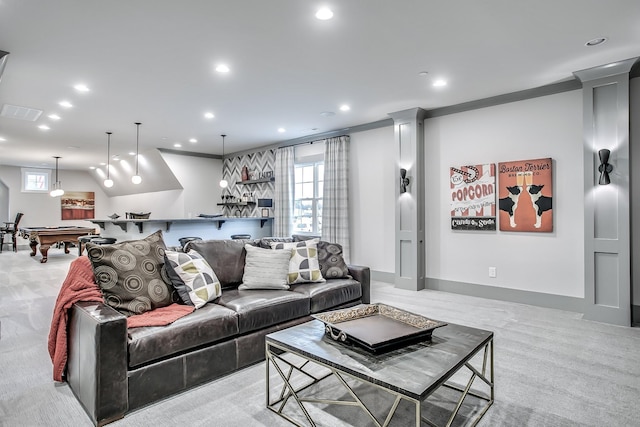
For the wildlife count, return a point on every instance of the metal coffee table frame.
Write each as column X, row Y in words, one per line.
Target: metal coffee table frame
column 286, row 368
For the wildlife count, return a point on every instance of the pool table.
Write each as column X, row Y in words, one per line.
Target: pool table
column 46, row 236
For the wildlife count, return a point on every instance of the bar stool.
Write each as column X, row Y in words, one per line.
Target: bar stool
column 82, row 241
column 103, row 240
column 240, row 236
column 184, row 240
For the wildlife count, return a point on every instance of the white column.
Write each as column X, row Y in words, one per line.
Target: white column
column 607, row 239
column 409, row 223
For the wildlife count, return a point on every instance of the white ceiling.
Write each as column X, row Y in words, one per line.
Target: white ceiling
column 153, row 61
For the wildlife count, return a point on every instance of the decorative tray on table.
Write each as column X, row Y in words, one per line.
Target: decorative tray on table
column 377, row 327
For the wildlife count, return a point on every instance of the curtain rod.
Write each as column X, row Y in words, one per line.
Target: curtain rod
column 295, row 144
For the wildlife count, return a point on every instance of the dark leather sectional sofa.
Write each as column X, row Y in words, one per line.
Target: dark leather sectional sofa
column 113, row 370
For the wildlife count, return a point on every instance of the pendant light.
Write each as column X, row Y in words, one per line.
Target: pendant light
column 223, row 182
column 57, row 186
column 137, row 179
column 108, row 182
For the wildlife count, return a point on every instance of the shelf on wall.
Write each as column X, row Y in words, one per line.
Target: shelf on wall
column 237, row 204
column 256, row 181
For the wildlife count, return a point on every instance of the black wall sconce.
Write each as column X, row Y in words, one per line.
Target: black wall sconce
column 605, row 168
column 404, row 181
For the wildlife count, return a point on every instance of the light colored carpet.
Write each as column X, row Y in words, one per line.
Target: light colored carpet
column 552, row 367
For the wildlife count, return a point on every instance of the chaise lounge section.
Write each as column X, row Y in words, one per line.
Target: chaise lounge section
column 113, row 369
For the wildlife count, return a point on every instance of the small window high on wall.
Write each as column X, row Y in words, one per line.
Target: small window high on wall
column 35, row 180
column 307, row 208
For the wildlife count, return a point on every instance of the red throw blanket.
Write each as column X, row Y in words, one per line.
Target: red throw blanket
column 79, row 285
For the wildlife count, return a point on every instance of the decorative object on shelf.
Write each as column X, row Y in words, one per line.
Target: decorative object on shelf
column 265, row 204
column 209, row 215
column 245, row 173
column 114, row 216
column 605, row 167
column 253, row 175
column 108, row 182
column 137, row 179
column 57, row 186
column 266, row 175
column 223, row 182
column 135, row 215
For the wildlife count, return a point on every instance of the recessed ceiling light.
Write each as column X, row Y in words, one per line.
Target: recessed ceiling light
column 324, row 13
column 193, row 140
column 116, row 157
column 177, row 145
column 72, row 147
column 222, row 68
column 65, row 104
column 327, row 114
column 423, row 73
column 92, row 167
column 345, row 107
column 81, row 87
column 439, row 83
column 54, row 116
column 44, row 127
column 596, row 42
column 103, row 164
column 281, row 130
column 208, row 115
column 2, row 139
column 132, row 153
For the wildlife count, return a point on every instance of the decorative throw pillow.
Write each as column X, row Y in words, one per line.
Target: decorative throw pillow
column 129, row 274
column 265, row 268
column 332, row 264
column 303, row 266
column 192, row 277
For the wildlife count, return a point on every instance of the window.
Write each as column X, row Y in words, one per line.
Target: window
column 35, row 180
column 307, row 208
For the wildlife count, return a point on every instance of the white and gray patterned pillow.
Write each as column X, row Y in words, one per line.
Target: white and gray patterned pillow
column 304, row 266
column 332, row 264
column 265, row 268
column 130, row 275
column 192, row 277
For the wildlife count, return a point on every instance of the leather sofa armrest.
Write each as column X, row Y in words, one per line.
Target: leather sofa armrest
column 363, row 275
column 97, row 360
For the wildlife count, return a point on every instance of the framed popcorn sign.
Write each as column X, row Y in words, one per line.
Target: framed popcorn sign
column 473, row 197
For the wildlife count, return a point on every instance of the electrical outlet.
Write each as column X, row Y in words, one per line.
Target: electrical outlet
column 493, row 272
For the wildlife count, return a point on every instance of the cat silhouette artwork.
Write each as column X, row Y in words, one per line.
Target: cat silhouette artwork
column 540, row 202
column 509, row 204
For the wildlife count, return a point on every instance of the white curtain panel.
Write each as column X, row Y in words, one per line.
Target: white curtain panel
column 335, row 199
column 284, row 188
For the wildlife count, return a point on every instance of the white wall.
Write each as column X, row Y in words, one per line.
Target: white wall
column 371, row 199
column 200, row 177
column 44, row 210
column 549, row 126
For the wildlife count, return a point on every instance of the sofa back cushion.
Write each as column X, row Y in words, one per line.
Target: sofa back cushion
column 226, row 258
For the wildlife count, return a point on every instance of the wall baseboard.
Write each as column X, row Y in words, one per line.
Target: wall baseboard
column 559, row 302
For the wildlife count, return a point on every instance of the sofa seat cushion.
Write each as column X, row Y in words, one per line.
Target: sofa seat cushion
column 206, row 325
column 261, row 308
column 332, row 293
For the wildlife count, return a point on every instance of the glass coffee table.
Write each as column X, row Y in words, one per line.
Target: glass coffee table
column 412, row 372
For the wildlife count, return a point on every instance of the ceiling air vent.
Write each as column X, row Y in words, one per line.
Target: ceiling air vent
column 21, row 113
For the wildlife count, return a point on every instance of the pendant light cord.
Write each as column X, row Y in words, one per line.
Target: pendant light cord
column 137, row 144
column 108, row 151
